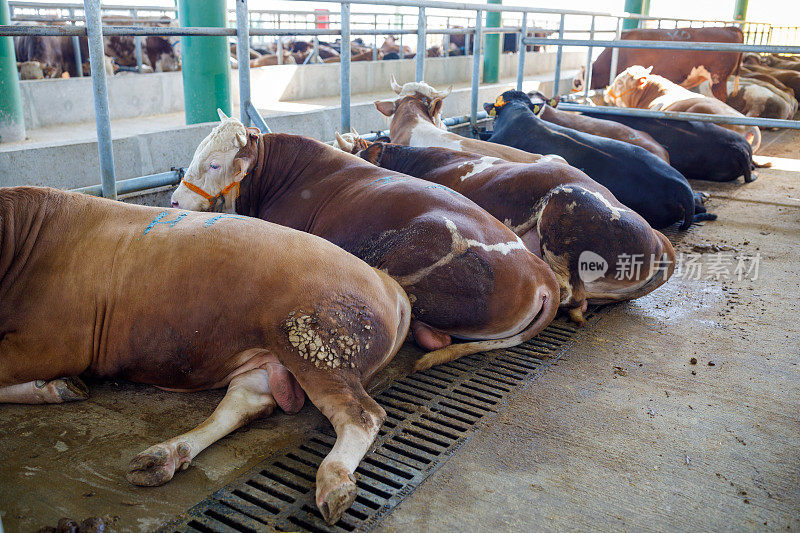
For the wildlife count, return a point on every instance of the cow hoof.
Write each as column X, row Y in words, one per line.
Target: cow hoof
column 576, row 315
column 753, row 177
column 428, row 338
column 68, row 389
column 154, row 466
column 334, row 498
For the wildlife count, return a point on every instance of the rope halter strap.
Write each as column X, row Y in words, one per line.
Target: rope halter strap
column 212, row 200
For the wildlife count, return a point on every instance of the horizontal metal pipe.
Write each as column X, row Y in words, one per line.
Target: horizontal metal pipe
column 141, row 183
column 672, row 115
column 670, row 45
column 226, row 32
column 466, row 6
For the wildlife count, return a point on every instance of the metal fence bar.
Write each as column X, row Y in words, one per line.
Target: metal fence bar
column 142, row 183
column 76, row 49
column 672, row 45
column 102, row 117
column 612, row 72
column 344, row 70
column 243, row 56
column 422, row 49
column 698, row 117
column 521, row 48
column 137, row 45
column 476, row 68
column 587, row 74
column 258, row 120
column 559, row 54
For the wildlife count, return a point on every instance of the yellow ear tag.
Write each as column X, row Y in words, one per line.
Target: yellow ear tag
column 499, row 102
column 493, row 112
column 553, row 102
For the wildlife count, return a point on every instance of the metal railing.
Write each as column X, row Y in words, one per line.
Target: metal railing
column 243, row 32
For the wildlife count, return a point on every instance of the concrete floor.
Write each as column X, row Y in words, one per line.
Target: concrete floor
column 620, row 434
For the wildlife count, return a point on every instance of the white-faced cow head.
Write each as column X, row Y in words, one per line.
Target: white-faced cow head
column 420, row 90
column 211, row 182
column 628, row 81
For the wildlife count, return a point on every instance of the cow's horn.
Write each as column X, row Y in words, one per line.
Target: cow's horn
column 445, row 93
column 354, row 132
column 396, row 86
column 222, row 115
column 343, row 144
column 241, row 139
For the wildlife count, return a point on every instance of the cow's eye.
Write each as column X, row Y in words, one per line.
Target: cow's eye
column 214, row 166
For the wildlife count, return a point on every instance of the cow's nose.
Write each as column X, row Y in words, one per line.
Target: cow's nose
column 174, row 203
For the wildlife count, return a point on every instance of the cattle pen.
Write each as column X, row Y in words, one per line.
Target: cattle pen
column 676, row 411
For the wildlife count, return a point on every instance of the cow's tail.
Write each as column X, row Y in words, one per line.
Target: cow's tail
column 736, row 75
column 454, row 351
column 688, row 211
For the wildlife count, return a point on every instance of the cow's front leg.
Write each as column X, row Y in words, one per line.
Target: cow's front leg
column 60, row 390
column 247, row 398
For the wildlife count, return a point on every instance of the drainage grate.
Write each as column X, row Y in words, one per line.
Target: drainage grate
column 429, row 416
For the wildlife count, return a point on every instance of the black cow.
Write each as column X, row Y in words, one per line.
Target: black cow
column 698, row 150
column 636, row 177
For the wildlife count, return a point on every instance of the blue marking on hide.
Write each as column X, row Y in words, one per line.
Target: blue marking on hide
column 210, row 221
column 385, row 180
column 448, row 189
column 158, row 218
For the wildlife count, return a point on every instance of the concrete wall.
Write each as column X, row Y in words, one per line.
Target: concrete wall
column 66, row 101
column 54, row 102
column 293, row 82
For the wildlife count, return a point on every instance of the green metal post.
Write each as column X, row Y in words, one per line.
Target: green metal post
column 205, row 62
column 12, row 124
column 740, row 11
column 639, row 7
column 491, row 52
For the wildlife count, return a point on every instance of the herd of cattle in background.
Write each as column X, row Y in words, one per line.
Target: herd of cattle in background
column 476, row 240
column 54, row 57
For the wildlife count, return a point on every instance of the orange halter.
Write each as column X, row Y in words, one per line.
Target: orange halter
column 642, row 83
column 212, row 200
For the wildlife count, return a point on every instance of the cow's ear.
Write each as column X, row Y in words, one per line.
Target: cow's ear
column 536, row 108
column 242, row 164
column 553, row 102
column 387, row 107
column 489, row 108
column 435, row 107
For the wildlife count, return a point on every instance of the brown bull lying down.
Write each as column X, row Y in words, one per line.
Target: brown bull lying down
column 466, row 274
column 596, row 126
column 561, row 214
column 637, row 87
column 284, row 312
column 417, row 121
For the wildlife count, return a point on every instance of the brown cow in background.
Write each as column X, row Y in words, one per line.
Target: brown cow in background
column 675, row 65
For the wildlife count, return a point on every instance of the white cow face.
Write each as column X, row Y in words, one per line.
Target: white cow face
column 627, row 82
column 211, row 180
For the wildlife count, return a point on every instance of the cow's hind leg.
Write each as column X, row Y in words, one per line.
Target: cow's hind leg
column 356, row 418
column 247, row 398
column 70, row 389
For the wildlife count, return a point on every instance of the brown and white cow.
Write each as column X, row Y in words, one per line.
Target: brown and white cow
column 596, row 126
column 675, row 65
column 48, row 57
column 561, row 215
column 193, row 301
column 417, row 121
column 637, row 87
column 466, row 274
